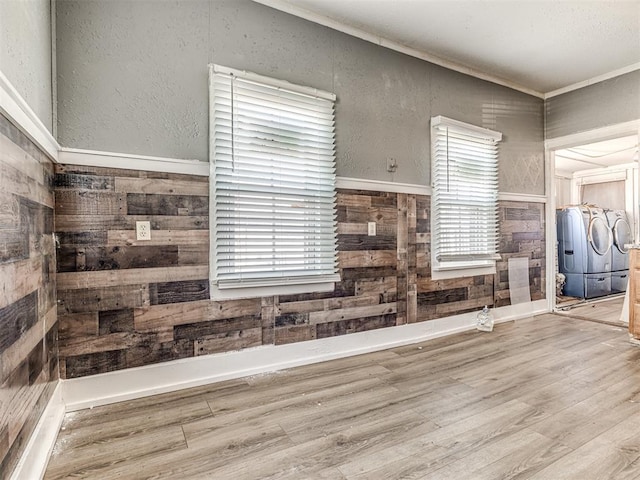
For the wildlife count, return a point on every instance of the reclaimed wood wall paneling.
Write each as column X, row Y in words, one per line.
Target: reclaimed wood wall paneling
column 28, row 312
column 155, row 306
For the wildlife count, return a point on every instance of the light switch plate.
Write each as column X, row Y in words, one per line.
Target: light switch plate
column 143, row 230
column 371, row 229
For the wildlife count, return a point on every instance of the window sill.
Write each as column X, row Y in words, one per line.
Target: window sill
column 253, row 292
column 444, row 274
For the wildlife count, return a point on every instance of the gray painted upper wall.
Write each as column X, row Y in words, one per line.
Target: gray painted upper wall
column 599, row 105
column 132, row 78
column 25, row 53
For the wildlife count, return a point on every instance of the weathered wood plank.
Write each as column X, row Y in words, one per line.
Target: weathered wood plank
column 193, row 254
column 103, row 223
column 225, row 342
column 61, row 168
column 366, row 242
column 199, row 330
column 522, row 212
column 158, row 237
column 101, row 343
column 380, row 285
column 16, row 319
column 115, row 321
column 77, row 181
column 133, row 276
column 94, row 363
column 155, row 204
column 350, row 313
column 436, row 297
column 293, row 334
column 11, row 357
column 24, row 175
column 78, row 325
column 351, row 200
column 367, row 258
column 161, row 186
column 94, row 299
column 381, row 215
column 82, row 238
column 344, row 327
column 464, row 305
column 89, row 202
column 425, row 284
column 178, row 292
column 158, row 316
column 91, row 258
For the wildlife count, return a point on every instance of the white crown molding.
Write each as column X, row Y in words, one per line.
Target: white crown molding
column 94, row 158
column 392, row 45
column 33, row 462
column 19, row 112
column 128, row 384
column 591, row 81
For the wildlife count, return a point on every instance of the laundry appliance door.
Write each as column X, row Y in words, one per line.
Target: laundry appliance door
column 621, row 234
column 600, row 237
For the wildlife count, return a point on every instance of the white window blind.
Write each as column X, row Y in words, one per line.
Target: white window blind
column 465, row 194
column 272, row 178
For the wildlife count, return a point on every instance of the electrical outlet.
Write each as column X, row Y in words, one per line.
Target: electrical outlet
column 371, row 229
column 143, row 230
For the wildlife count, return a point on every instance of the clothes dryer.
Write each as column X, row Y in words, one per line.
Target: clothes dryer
column 621, row 233
column 584, row 251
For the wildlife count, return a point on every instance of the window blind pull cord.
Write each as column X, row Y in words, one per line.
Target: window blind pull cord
column 233, row 123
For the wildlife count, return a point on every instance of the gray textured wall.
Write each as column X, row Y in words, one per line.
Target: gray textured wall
column 605, row 103
column 132, row 77
column 25, row 52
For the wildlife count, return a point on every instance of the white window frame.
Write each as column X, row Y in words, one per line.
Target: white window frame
column 268, row 286
column 446, row 269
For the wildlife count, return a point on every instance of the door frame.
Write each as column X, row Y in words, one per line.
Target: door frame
column 573, row 140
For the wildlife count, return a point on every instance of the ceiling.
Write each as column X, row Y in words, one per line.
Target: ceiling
column 596, row 155
column 538, row 46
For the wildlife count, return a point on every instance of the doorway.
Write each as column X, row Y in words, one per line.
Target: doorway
column 594, row 180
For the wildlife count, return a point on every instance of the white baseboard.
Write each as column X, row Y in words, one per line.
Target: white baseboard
column 102, row 389
column 33, row 462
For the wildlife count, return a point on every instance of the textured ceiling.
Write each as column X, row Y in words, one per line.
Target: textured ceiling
column 541, row 45
column 597, row 155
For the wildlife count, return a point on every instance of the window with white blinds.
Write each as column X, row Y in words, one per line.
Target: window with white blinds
column 272, row 183
column 465, row 195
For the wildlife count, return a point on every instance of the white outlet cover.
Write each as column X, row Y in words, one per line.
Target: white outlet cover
column 371, row 229
column 143, row 230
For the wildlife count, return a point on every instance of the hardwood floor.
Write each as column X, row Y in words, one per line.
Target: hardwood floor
column 550, row 397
